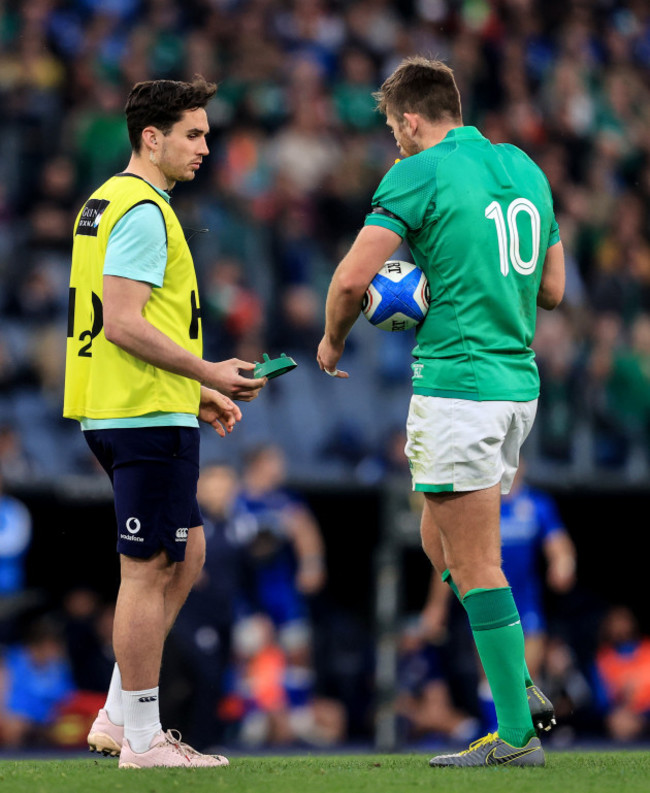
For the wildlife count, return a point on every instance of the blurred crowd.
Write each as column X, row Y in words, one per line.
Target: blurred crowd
column 263, row 655
column 251, row 659
column 296, row 152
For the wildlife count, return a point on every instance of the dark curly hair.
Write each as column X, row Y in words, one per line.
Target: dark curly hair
column 161, row 104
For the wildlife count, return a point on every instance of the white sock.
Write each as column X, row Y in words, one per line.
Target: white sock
column 113, row 704
column 141, row 717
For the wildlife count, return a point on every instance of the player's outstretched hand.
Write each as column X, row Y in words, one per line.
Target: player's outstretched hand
column 226, row 377
column 219, row 411
column 328, row 357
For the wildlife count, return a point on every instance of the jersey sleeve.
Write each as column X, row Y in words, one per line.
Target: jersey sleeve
column 403, row 197
column 137, row 246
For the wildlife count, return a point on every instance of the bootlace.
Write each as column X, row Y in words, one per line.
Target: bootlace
column 491, row 737
column 174, row 737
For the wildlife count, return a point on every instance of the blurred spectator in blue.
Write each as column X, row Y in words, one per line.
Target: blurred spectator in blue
column 88, row 629
column 283, row 553
column 622, row 675
column 532, row 531
column 424, row 699
column 35, row 683
column 15, row 539
column 389, row 461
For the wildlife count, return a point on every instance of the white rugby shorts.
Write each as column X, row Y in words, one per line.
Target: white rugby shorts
column 454, row 445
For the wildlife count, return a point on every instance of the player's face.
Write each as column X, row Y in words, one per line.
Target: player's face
column 184, row 147
column 402, row 134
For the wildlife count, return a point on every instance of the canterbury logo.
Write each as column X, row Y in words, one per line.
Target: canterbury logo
column 147, row 699
column 492, row 759
column 181, row 535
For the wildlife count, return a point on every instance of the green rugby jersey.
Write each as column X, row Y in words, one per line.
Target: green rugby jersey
column 478, row 219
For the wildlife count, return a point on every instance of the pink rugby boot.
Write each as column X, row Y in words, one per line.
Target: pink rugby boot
column 104, row 736
column 167, row 750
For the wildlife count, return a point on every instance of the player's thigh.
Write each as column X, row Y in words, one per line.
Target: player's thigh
column 469, row 527
column 155, row 472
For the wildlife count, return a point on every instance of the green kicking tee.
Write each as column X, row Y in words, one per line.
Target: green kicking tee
column 478, row 219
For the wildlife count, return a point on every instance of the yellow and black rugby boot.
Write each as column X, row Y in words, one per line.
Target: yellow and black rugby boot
column 491, row 750
column 541, row 710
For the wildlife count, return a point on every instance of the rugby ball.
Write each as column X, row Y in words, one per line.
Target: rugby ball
column 397, row 297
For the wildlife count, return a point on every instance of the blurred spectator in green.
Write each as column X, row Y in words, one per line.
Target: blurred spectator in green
column 624, row 377
column 557, row 358
column 352, row 93
column 102, row 142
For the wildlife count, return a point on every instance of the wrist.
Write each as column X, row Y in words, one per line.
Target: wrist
column 312, row 561
column 201, row 373
column 334, row 341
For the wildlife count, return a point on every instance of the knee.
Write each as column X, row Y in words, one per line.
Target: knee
column 468, row 576
column 153, row 573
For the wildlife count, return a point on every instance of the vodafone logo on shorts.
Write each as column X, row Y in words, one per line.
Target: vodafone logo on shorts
column 133, row 525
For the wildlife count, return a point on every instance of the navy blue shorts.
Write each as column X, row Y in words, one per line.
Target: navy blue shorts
column 154, row 471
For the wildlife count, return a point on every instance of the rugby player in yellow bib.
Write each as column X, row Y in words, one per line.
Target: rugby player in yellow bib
column 478, row 219
column 137, row 383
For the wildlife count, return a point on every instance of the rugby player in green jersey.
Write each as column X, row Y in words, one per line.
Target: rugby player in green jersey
column 478, row 219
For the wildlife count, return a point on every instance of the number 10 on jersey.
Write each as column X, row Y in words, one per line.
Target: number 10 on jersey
column 506, row 228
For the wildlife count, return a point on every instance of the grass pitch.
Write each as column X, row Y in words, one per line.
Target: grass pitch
column 565, row 772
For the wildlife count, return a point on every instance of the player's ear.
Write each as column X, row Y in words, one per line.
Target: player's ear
column 411, row 121
column 150, row 138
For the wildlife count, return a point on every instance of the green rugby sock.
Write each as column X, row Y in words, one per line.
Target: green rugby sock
column 499, row 638
column 446, row 577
